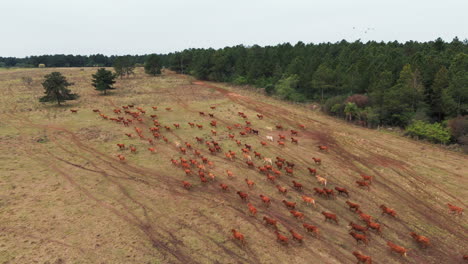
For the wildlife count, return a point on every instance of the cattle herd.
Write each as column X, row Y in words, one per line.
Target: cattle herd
column 191, row 161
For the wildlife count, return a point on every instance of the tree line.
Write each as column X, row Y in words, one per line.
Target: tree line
column 417, row 85
column 373, row 83
column 398, row 79
column 61, row 60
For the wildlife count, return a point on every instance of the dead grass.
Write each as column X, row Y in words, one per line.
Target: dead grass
column 66, row 199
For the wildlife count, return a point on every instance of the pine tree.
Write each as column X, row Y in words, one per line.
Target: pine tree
column 404, row 98
column 459, row 82
column 410, row 86
column 55, row 85
column 124, row 66
column 153, row 65
column 378, row 90
column 440, row 101
column 323, row 80
column 103, row 80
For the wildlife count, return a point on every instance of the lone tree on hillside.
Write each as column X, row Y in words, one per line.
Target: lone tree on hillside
column 124, row 65
column 153, row 65
column 55, row 85
column 103, row 80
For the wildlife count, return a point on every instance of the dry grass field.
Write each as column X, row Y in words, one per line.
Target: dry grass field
column 65, row 197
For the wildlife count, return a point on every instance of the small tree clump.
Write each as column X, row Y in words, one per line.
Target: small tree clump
column 435, row 133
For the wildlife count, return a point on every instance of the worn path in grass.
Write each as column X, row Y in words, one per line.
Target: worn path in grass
column 66, row 198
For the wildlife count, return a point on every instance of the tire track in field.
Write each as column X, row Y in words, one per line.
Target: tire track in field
column 132, row 220
column 209, row 191
column 345, row 157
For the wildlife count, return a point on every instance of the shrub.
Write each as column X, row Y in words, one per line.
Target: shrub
column 298, row 97
column 286, row 89
column 240, row 80
column 270, row 89
column 359, row 99
column 334, row 105
column 370, row 117
column 458, row 127
column 433, row 132
column 351, row 110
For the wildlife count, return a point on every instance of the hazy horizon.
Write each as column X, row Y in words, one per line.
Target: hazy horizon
column 123, row 27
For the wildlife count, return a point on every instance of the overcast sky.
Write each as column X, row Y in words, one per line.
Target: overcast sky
column 35, row 27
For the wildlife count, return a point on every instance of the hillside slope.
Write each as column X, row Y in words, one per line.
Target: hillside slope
column 66, row 198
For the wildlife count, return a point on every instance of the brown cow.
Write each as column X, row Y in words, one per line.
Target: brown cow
column 359, row 237
column 422, row 240
column 290, row 205
column 252, row 209
column 363, row 184
column 363, row 216
column 281, row 189
column 280, row 238
column 375, row 226
column 323, row 148
column 309, row 200
column 352, row 205
column 244, row 196
column 297, row 214
column 265, row 199
column 358, row 228
column 312, row 171
column 342, row 191
column 398, row 249
column 270, row 221
column 237, row 235
column 367, row 178
column 362, row 258
column 311, row 228
column 330, row 216
column 386, row 210
column 224, row 187
column 297, row 185
column 250, row 183
column 455, row 209
column 187, row 185
column 296, row 236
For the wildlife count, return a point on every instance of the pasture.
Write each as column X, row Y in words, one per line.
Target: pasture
column 66, row 197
